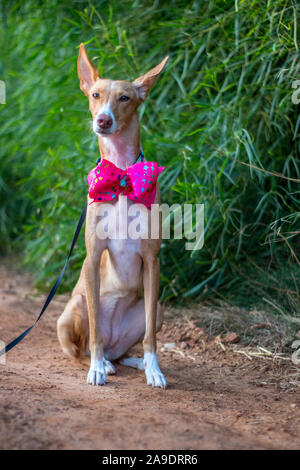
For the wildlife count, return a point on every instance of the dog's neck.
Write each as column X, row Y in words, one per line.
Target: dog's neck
column 122, row 148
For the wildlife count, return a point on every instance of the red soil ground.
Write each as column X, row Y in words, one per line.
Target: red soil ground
column 216, row 399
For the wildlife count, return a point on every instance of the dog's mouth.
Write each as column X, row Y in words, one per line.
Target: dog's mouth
column 106, row 132
column 100, row 131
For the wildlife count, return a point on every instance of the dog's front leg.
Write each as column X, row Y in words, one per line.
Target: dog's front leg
column 96, row 374
column 154, row 376
column 94, row 249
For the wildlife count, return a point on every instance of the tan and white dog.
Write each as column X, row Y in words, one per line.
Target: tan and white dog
column 107, row 313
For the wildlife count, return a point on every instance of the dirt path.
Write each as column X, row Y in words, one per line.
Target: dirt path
column 216, row 399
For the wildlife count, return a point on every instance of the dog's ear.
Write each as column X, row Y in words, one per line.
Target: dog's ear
column 144, row 83
column 87, row 72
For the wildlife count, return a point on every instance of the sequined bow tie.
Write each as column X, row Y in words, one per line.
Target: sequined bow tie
column 137, row 182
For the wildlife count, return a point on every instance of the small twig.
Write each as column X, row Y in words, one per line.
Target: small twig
column 178, row 351
column 221, row 345
column 262, row 353
column 240, row 351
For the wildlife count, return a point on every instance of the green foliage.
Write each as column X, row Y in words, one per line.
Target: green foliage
column 224, row 98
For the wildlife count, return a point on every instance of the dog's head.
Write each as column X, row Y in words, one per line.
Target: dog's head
column 113, row 102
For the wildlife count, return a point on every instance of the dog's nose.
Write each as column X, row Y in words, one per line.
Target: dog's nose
column 104, row 121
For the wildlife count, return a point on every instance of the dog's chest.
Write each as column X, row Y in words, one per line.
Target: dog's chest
column 125, row 262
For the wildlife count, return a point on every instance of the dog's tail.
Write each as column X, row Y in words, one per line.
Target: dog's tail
column 72, row 328
column 69, row 348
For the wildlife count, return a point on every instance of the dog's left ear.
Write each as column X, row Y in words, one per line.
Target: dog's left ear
column 144, row 83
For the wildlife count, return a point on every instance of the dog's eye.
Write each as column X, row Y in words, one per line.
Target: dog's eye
column 124, row 98
column 96, row 95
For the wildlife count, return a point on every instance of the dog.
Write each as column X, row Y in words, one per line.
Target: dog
column 107, row 313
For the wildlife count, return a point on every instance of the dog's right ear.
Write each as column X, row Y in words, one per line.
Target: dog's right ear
column 87, row 72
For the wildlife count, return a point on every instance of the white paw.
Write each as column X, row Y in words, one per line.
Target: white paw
column 109, row 367
column 96, row 374
column 154, row 376
column 135, row 362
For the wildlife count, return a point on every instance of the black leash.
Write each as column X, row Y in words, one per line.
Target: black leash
column 52, row 293
column 17, row 340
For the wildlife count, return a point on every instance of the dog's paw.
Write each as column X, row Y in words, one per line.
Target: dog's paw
column 154, row 375
column 135, row 362
column 96, row 374
column 109, row 367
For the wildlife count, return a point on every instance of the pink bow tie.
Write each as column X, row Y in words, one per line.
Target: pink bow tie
column 138, row 182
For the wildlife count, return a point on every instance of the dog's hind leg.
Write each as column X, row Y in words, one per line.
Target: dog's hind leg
column 109, row 367
column 138, row 362
column 73, row 327
column 73, row 331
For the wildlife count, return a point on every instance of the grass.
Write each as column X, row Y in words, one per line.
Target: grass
column 220, row 118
